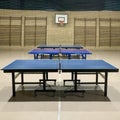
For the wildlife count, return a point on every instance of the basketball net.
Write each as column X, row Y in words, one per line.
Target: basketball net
column 61, row 23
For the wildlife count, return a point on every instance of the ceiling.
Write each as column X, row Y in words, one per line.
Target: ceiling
column 61, row 5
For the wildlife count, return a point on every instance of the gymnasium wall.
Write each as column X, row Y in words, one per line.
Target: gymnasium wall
column 24, row 28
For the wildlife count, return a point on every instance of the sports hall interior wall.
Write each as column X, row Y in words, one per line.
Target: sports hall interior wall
column 25, row 28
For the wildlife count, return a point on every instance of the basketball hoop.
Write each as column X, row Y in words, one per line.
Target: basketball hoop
column 61, row 22
column 61, row 19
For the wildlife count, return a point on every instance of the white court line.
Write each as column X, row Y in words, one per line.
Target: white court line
column 59, row 102
column 59, row 110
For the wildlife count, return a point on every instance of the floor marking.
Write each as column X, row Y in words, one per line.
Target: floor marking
column 59, row 110
column 59, row 101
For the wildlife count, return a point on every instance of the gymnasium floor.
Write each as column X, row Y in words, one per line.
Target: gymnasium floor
column 59, row 110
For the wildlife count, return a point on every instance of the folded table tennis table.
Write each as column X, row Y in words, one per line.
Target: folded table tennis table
column 45, row 66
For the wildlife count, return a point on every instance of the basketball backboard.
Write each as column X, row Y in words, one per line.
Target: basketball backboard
column 61, row 18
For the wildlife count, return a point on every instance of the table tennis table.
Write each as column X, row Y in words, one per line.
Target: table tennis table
column 41, row 52
column 60, row 52
column 74, row 66
column 79, row 52
column 60, row 46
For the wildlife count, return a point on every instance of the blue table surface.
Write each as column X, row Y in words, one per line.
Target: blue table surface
column 71, row 46
column 75, row 51
column 44, row 51
column 57, row 51
column 60, row 46
column 74, row 64
column 33, row 65
column 71, row 64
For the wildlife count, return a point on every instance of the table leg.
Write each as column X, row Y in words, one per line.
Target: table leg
column 44, row 81
column 72, row 75
column 45, row 77
column 75, row 84
column 35, row 56
column 84, row 56
column 13, row 84
column 105, row 86
column 22, row 79
column 96, row 78
column 74, row 78
column 50, row 56
column 69, row 56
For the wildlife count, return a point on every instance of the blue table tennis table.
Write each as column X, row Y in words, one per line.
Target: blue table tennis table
column 74, row 66
column 60, row 46
column 79, row 52
column 41, row 52
column 21, row 67
column 60, row 52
